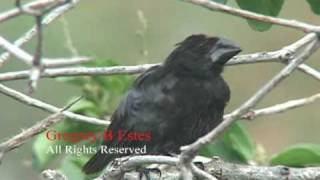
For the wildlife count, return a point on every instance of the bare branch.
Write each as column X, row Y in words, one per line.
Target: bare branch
column 309, row 70
column 54, row 14
column 41, row 126
column 36, row 62
column 273, row 56
column 50, row 174
column 47, row 107
column 17, row 52
column 130, row 163
column 57, row 62
column 79, row 71
column 27, row 58
column 279, row 108
column 36, row 5
column 216, row 167
column 211, row 5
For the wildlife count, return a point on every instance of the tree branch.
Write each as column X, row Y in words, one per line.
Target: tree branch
column 283, row 55
column 36, row 5
column 28, row 58
column 50, row 174
column 41, row 126
column 54, row 14
column 211, row 5
column 279, row 108
column 216, row 167
column 47, row 107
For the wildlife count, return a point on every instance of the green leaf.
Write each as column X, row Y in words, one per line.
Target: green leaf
column 298, row 155
column 44, row 150
column 101, row 96
column 223, row 150
column 104, row 92
column 266, row 7
column 315, row 6
column 239, row 140
column 41, row 153
column 220, row 1
column 236, row 145
column 72, row 165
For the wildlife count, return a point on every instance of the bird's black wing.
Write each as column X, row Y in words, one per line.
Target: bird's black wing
column 148, row 107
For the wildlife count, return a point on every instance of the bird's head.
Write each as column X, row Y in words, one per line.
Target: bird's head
column 202, row 55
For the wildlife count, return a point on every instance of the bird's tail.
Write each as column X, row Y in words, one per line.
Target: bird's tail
column 97, row 163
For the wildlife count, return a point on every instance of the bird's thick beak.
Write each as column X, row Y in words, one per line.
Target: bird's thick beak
column 224, row 52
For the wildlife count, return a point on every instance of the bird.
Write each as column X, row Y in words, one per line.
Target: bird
column 175, row 102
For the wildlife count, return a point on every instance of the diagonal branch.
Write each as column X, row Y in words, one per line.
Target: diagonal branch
column 278, row 108
column 54, row 14
column 17, row 52
column 41, row 126
column 47, row 107
column 211, row 5
column 27, row 58
column 36, row 5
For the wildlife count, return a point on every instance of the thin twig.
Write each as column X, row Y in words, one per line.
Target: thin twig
column 17, row 52
column 50, row 174
column 46, row 62
column 211, row 5
column 54, row 14
column 273, row 56
column 47, row 107
column 36, row 62
column 79, row 71
column 58, row 62
column 41, row 126
column 310, row 71
column 35, row 5
column 279, row 108
column 26, row 10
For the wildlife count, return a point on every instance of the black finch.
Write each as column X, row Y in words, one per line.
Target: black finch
column 177, row 102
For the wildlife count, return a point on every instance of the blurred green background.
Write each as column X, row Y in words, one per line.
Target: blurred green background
column 108, row 30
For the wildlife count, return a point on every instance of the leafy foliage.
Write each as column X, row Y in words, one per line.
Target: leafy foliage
column 298, row 155
column 236, row 145
column 101, row 96
column 71, row 167
column 266, row 7
column 315, row 6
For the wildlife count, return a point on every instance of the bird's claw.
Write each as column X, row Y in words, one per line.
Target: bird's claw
column 146, row 172
column 199, row 165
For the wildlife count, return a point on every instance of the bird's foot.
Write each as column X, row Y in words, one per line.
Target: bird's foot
column 200, row 165
column 146, row 172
